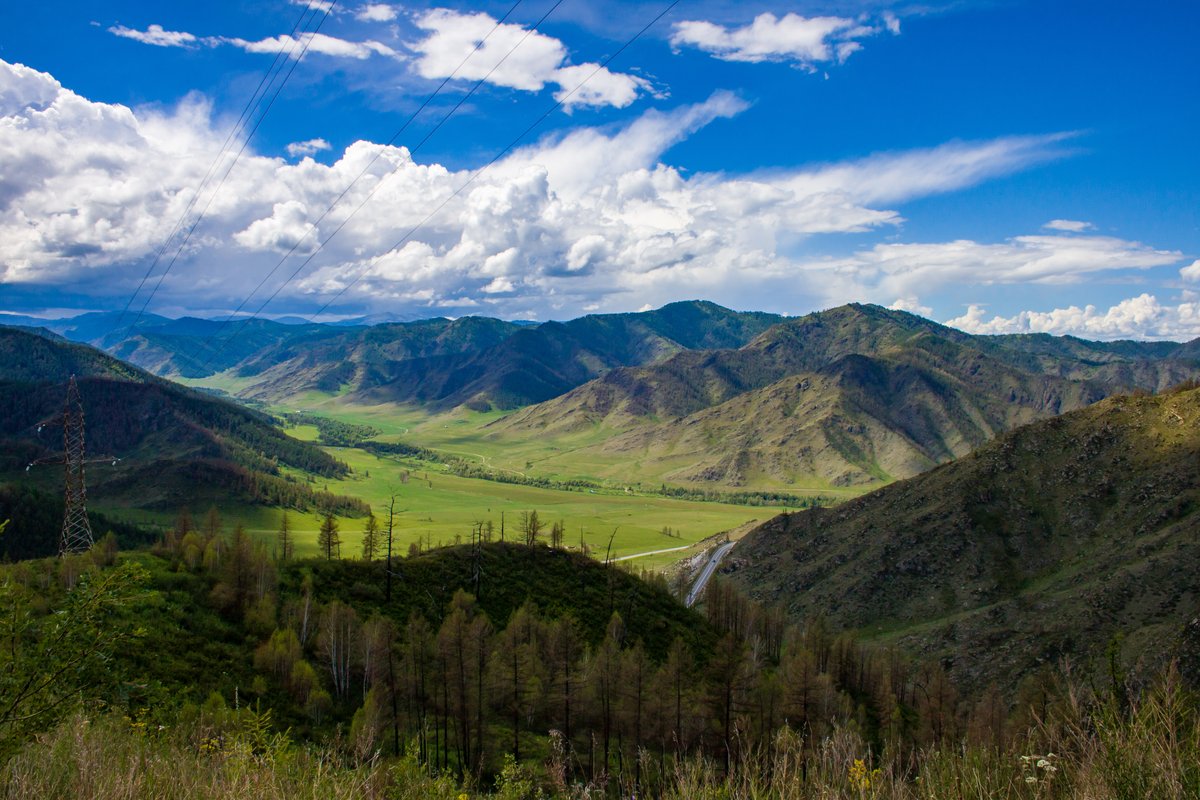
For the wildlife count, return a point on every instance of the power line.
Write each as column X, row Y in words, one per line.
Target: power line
column 362, row 173
column 247, row 111
column 366, row 199
column 245, row 143
column 497, row 157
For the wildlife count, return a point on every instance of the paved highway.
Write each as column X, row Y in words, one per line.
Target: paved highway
column 713, row 562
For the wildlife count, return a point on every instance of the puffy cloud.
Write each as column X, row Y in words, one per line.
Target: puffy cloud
column 376, row 12
column 587, row 219
column 286, row 228
column 510, row 55
column 902, row 270
column 320, row 6
column 594, row 85
column 912, row 305
column 307, row 148
column 155, row 35
column 804, row 41
column 1141, row 317
column 1191, row 272
column 1068, row 226
column 321, row 43
column 292, row 46
column 514, row 57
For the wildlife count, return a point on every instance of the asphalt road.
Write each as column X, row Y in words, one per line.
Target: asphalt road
column 713, row 562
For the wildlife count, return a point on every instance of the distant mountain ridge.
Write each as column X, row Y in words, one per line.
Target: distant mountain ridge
column 1041, row 544
column 475, row 361
column 542, row 362
column 850, row 396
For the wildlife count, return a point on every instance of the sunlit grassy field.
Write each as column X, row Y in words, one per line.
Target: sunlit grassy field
column 434, row 507
column 468, row 434
column 437, row 507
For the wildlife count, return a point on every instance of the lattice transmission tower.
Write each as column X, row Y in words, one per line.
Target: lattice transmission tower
column 76, row 530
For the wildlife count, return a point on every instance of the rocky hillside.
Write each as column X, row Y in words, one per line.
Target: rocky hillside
column 857, row 395
column 1045, row 543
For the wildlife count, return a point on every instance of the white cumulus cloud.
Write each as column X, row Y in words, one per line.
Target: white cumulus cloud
column 1191, row 272
column 1141, row 317
column 904, row 269
column 287, row 227
column 587, row 219
column 376, row 12
column 1069, row 225
column 321, row 43
column 804, row 41
column 155, row 35
column 291, row 45
column 912, row 305
column 307, row 148
column 515, row 57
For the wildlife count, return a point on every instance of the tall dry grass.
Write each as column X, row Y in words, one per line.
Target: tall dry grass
column 1084, row 749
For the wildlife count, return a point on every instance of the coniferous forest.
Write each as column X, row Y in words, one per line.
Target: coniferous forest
column 213, row 665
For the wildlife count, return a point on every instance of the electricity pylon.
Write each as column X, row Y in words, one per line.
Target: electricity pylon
column 76, row 531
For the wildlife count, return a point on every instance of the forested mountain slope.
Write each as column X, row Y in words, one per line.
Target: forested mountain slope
column 173, row 442
column 1044, row 543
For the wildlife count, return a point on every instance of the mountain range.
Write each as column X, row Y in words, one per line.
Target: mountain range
column 853, row 396
column 689, row 394
column 1040, row 499
column 474, row 361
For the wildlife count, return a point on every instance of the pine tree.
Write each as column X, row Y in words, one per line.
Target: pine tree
column 287, row 543
column 370, row 542
column 328, row 540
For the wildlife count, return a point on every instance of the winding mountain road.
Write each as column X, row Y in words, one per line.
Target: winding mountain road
column 714, row 561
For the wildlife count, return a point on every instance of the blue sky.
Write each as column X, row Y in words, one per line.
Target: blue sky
column 1002, row 166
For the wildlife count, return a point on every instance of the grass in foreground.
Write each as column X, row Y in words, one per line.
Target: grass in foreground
column 1085, row 751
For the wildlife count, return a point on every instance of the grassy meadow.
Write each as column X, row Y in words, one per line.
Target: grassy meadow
column 435, row 507
column 438, row 507
column 563, row 456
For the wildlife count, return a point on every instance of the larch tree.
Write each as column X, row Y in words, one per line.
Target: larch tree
column 212, row 523
column 338, row 644
column 517, row 670
column 370, row 542
column 329, row 541
column 564, row 650
column 531, row 527
column 604, row 677
column 636, row 674
column 462, row 649
column 286, row 539
column 417, row 655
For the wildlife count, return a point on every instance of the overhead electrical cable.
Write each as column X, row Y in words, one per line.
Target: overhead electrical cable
column 313, row 226
column 474, row 176
column 247, row 111
column 308, row 37
column 246, row 321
